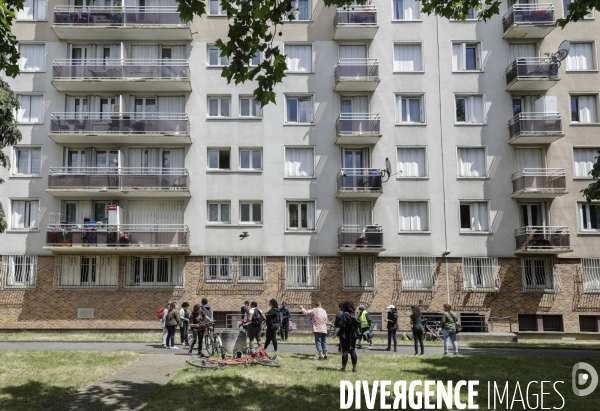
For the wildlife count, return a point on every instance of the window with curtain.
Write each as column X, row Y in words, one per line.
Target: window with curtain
column 298, row 57
column 408, row 57
column 299, row 162
column 215, row 58
column 219, row 107
column 588, row 217
column 583, row 109
column 219, row 212
column 469, row 109
column 300, row 215
column 31, row 110
column 250, row 212
column 215, row 9
column 154, row 271
column 19, row 271
column 411, row 162
column 301, row 272
column 358, row 271
column 250, row 159
column 409, row 109
column 581, row 56
column 590, row 274
column 301, row 10
column 251, row 269
column 521, row 50
column 250, row 107
column 219, row 159
column 413, row 216
column 480, row 273
column 25, row 214
column 33, row 10
column 466, row 57
column 471, row 162
column 299, row 110
column 584, row 158
column 474, row 216
column 406, row 9
column 537, row 274
column 28, row 160
column 33, row 57
column 418, row 273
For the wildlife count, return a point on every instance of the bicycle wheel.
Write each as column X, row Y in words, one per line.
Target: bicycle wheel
column 190, row 339
column 266, row 362
column 219, row 349
column 200, row 363
column 208, row 343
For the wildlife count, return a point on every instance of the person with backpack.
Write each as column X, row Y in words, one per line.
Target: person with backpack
column 365, row 325
column 208, row 314
column 273, row 318
column 245, row 310
column 172, row 322
column 185, row 322
column 448, row 323
column 318, row 318
column 197, row 320
column 255, row 320
column 392, row 326
column 162, row 316
column 416, row 322
column 348, row 326
column 285, row 321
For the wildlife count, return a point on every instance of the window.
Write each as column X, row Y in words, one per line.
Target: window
column 218, row 268
column 155, row 271
column 33, row 10
column 407, row 57
column 250, row 159
column 25, row 214
column 215, row 58
column 219, row 159
column 589, row 323
column 302, row 272
column 412, row 162
column 31, row 110
column 301, row 10
column 28, row 161
column 298, row 57
column 33, row 57
column 414, row 216
column 406, row 9
column 588, row 217
column 409, row 109
column 473, row 14
column 215, row 9
column 590, row 15
column 480, row 273
column 583, row 109
column 299, row 162
column 251, row 213
column 299, row 110
column 590, row 275
column 474, row 216
column 251, row 269
column 581, row 56
column 250, row 107
column 471, row 162
column 218, row 212
column 469, row 109
column 300, row 215
column 537, row 274
column 19, row 271
column 585, row 158
column 89, row 271
column 418, row 273
column 548, row 323
column 359, row 272
column 219, row 106
column 466, row 57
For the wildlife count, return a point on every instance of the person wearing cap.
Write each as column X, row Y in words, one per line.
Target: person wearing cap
column 365, row 325
column 184, row 324
column 392, row 326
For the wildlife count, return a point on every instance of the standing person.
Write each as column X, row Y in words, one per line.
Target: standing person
column 208, row 314
column 173, row 321
column 185, row 322
column 336, row 322
column 318, row 318
column 273, row 318
column 197, row 327
column 255, row 320
column 365, row 325
column 347, row 335
column 285, row 321
column 448, row 323
column 392, row 326
column 416, row 322
column 163, row 324
column 245, row 310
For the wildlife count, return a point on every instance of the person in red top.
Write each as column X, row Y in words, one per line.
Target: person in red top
column 319, row 327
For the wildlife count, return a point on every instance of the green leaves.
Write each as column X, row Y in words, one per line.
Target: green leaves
column 578, row 10
column 9, row 56
column 592, row 192
column 459, row 9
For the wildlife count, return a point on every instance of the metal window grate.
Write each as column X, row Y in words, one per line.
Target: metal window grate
column 19, row 271
column 154, row 271
column 251, row 269
column 418, row 273
column 553, row 323
column 527, row 322
column 480, row 274
column 86, row 271
column 218, row 268
column 540, row 274
column 590, row 275
column 359, row 273
column 588, row 323
column 302, row 273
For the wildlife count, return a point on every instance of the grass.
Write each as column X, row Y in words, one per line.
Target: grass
column 302, row 383
column 34, row 380
column 151, row 336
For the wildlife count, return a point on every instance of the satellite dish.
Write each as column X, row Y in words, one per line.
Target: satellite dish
column 563, row 51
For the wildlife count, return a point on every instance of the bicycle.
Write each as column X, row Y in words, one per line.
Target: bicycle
column 331, row 332
column 212, row 340
column 210, row 363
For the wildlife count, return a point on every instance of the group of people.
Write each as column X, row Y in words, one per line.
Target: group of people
column 173, row 316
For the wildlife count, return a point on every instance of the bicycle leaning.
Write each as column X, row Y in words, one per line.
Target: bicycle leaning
column 212, row 340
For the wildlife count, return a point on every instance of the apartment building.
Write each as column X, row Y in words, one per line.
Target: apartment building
column 397, row 137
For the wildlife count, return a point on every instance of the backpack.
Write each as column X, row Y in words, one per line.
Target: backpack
column 457, row 327
column 159, row 313
column 355, row 325
column 257, row 317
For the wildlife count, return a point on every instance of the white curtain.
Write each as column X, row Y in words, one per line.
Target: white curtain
column 144, row 52
column 33, row 10
column 411, row 162
column 177, row 52
column 473, row 109
column 298, row 58
column 18, row 212
column 161, row 3
column 69, row 270
column 155, row 212
column 479, row 216
column 580, row 57
column 27, row 267
column 84, row 210
column 31, row 110
column 135, row 157
column 529, row 158
column 358, row 271
column 175, row 105
column 521, row 51
column 407, row 57
column 471, row 162
column 303, row 9
column 407, row 9
column 107, row 270
column 585, row 158
column 353, row 52
column 458, row 57
column 357, row 213
column 25, row 214
column 33, row 57
column 587, row 109
column 299, row 162
column 413, row 216
column 310, row 217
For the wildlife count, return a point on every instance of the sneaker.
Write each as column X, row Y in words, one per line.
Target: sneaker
column 387, row 349
column 370, row 347
column 455, row 353
column 325, row 357
column 445, row 353
column 165, row 346
column 175, row 348
column 395, row 350
column 168, row 348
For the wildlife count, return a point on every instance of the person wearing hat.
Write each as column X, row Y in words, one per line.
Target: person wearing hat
column 184, row 324
column 392, row 326
column 365, row 325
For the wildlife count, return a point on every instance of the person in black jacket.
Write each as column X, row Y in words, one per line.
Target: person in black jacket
column 285, row 321
column 197, row 319
column 347, row 335
column 416, row 321
column 273, row 319
column 392, row 326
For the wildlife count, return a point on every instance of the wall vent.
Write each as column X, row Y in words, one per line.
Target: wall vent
column 85, row 313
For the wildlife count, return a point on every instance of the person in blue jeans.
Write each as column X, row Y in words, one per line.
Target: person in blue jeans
column 448, row 323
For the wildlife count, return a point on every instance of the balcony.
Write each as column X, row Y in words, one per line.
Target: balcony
column 359, row 183
column 528, row 21
column 542, row 240
column 539, row 183
column 355, row 239
column 355, row 128
column 356, row 75
column 121, row 75
column 119, row 23
column 355, row 23
column 535, row 128
column 96, row 238
column 531, row 74
column 120, row 128
column 105, row 182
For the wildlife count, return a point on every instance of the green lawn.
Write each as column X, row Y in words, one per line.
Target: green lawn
column 34, row 380
column 302, row 383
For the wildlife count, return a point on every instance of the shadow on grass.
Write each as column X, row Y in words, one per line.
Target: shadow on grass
column 33, row 395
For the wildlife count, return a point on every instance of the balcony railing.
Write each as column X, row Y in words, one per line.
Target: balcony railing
column 531, row 68
column 540, row 179
column 543, row 239
column 115, row 69
column 117, row 16
column 92, row 234
column 535, row 124
column 356, row 15
column 123, row 178
column 542, row 13
column 359, row 179
column 361, row 237
column 362, row 69
column 119, row 123
column 358, row 124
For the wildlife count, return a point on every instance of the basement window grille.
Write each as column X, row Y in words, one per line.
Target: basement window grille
column 588, row 323
column 19, row 271
column 418, row 273
column 302, row 273
column 359, row 272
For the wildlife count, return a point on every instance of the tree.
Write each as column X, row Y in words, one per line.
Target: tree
column 592, row 192
column 9, row 56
